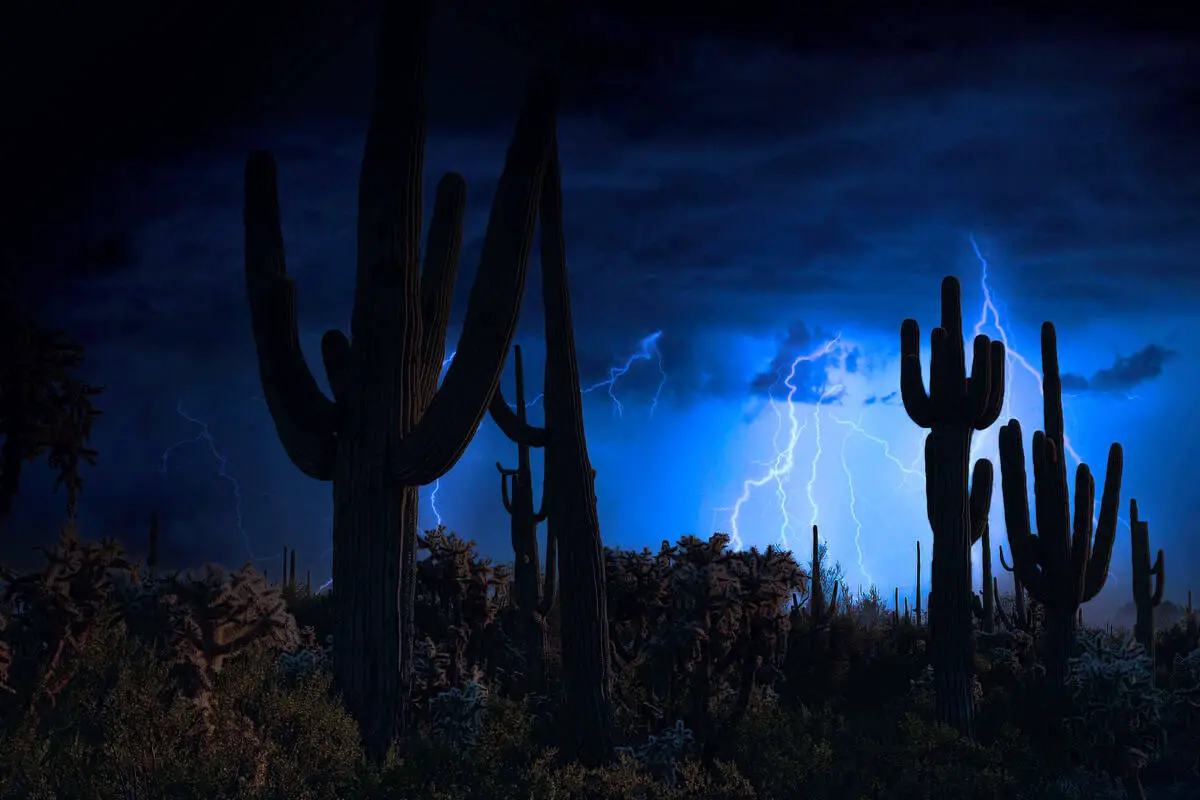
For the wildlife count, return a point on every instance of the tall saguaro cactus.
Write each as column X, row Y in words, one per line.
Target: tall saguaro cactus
column 954, row 408
column 1144, row 598
column 533, row 600
column 389, row 429
column 1059, row 566
column 570, row 497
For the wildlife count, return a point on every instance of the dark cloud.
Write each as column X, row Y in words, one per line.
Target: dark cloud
column 799, row 363
column 1126, row 373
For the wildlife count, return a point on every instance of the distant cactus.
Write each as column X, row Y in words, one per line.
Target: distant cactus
column 954, row 408
column 820, row 611
column 1061, row 567
column 569, row 496
column 1020, row 619
column 918, row 596
column 534, row 598
column 1144, row 598
column 389, row 429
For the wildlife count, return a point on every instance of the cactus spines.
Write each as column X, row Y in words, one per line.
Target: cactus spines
column 389, row 429
column 569, row 494
column 1060, row 566
column 533, row 601
column 954, row 408
column 1145, row 598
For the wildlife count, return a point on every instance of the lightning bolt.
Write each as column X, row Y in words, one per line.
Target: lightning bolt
column 778, row 470
column 989, row 309
column 647, row 350
column 205, row 437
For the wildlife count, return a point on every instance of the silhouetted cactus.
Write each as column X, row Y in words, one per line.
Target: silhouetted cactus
column 45, row 410
column 1020, row 620
column 569, row 496
column 820, row 611
column 982, row 482
column 533, row 598
column 1060, row 567
column 953, row 409
column 389, row 428
column 1144, row 598
column 918, row 596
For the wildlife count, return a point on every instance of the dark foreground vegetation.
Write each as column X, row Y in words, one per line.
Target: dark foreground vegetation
column 691, row 672
column 124, row 681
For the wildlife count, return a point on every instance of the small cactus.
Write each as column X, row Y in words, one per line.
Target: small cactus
column 1144, row 598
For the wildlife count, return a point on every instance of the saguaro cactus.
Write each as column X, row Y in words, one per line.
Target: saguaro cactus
column 1144, row 598
column 1060, row 567
column 820, row 611
column 533, row 600
column 954, row 408
column 569, row 492
column 389, row 429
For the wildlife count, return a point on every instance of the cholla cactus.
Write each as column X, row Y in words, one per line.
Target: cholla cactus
column 201, row 619
column 661, row 753
column 459, row 715
column 1120, row 709
column 307, row 659
column 51, row 614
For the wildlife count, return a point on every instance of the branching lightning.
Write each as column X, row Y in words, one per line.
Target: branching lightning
column 778, row 470
column 205, row 437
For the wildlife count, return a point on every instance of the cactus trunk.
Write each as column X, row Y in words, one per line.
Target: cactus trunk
column 954, row 407
column 389, row 429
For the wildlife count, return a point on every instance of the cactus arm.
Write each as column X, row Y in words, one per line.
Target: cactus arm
column 304, row 418
column 981, row 498
column 505, row 474
column 440, row 272
column 1013, row 484
column 335, row 352
column 1004, row 563
column 512, row 427
column 1106, row 525
column 993, row 401
column 441, row 437
column 540, row 516
column 912, row 384
column 1160, row 579
column 1081, row 539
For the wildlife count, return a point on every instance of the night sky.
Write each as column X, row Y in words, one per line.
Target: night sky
column 740, row 190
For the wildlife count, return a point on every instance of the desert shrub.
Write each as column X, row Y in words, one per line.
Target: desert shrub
column 125, row 741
